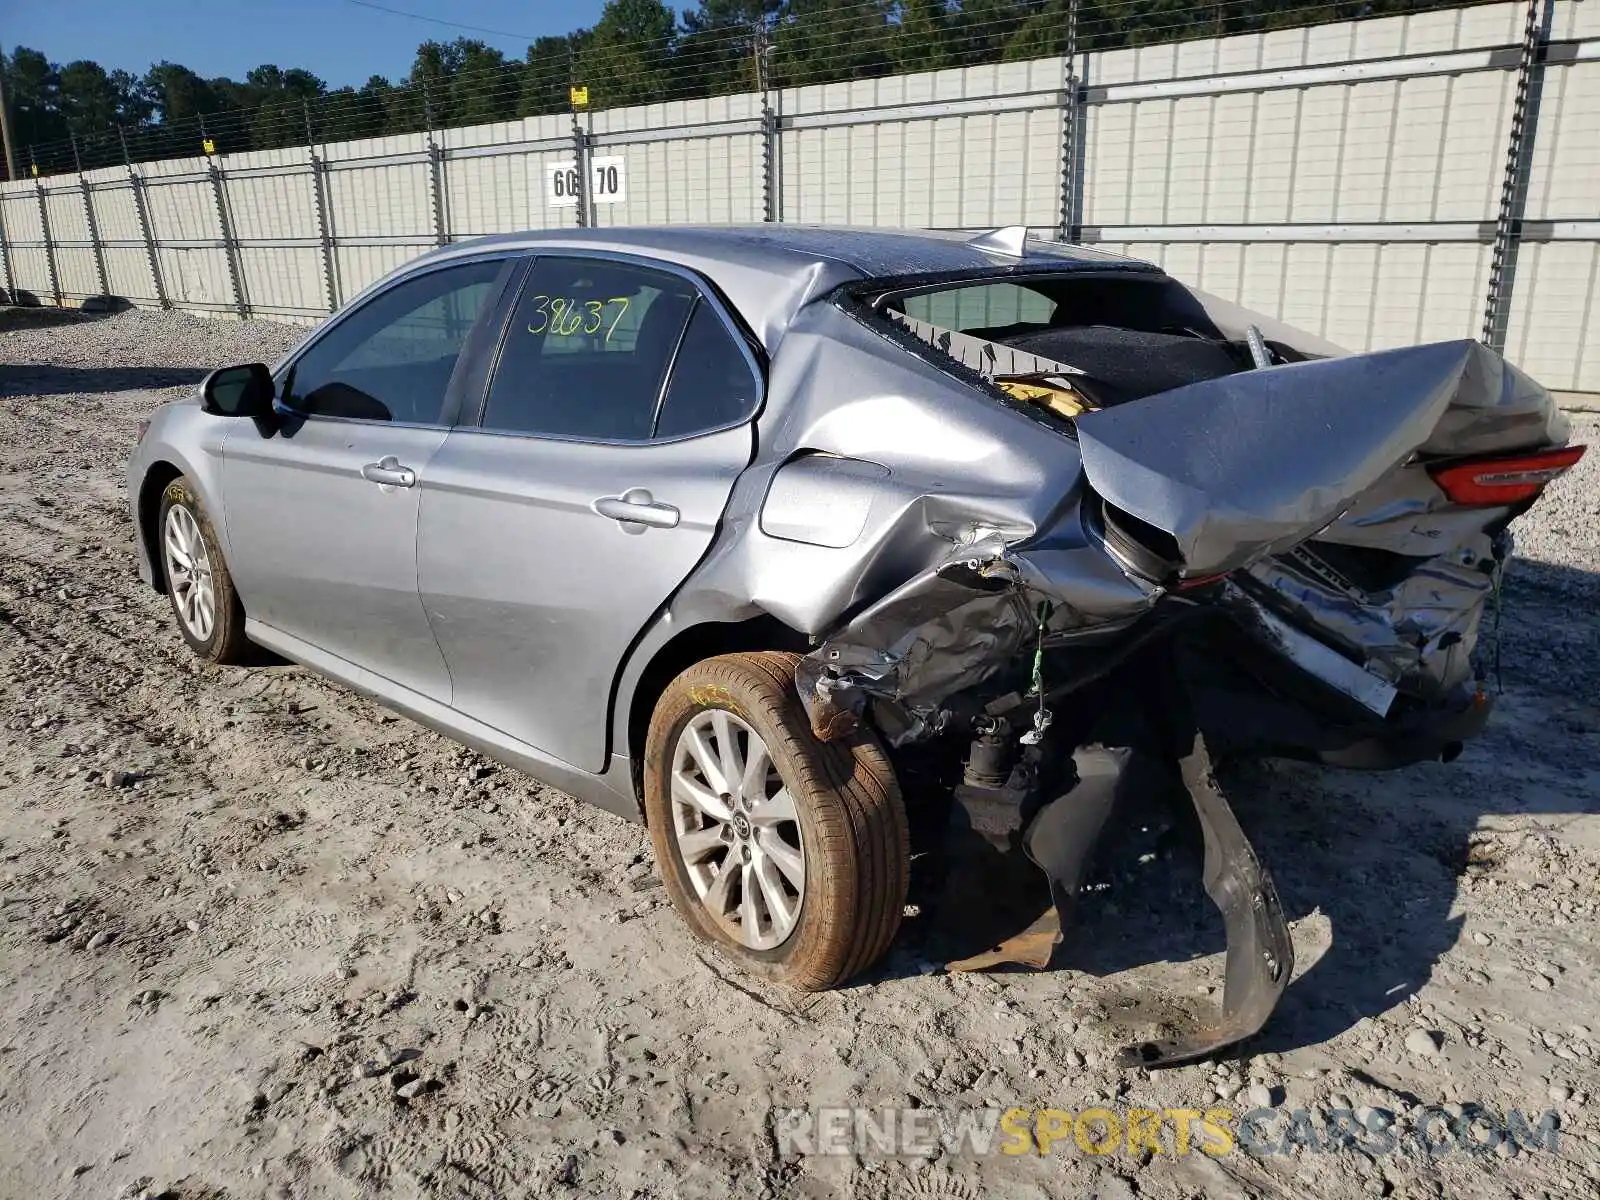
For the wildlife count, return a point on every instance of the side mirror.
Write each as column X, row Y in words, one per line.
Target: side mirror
column 245, row 391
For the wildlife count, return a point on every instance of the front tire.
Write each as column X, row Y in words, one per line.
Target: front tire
column 788, row 854
column 208, row 610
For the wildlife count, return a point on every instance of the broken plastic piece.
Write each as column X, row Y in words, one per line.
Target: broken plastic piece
column 1260, row 956
column 1030, row 948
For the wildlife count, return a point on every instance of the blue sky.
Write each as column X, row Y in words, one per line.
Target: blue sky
column 339, row 40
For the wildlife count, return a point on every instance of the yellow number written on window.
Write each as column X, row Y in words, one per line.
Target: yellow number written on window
column 561, row 316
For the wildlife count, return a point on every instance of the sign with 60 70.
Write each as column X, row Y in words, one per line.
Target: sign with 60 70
column 608, row 182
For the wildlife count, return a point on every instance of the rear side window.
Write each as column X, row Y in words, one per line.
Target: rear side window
column 391, row 359
column 712, row 384
column 588, row 350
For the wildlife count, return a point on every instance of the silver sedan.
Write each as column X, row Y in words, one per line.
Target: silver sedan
column 732, row 530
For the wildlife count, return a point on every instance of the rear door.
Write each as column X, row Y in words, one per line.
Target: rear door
column 322, row 509
column 611, row 433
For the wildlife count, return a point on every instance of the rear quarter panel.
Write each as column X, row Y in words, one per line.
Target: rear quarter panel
column 956, row 466
column 933, row 465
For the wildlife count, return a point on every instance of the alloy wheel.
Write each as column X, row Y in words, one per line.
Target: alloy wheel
column 189, row 572
column 737, row 830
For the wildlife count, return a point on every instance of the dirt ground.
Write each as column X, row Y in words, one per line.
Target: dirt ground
column 260, row 938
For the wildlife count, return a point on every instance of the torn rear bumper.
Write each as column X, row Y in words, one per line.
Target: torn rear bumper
column 1260, row 953
column 1433, row 735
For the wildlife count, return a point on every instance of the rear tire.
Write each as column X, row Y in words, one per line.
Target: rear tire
column 805, row 891
column 209, row 614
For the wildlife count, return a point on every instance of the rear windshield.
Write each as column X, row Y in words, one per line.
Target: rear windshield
column 1060, row 344
column 1000, row 308
column 982, row 305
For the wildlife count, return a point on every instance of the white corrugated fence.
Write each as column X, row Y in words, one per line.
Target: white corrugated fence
column 1347, row 177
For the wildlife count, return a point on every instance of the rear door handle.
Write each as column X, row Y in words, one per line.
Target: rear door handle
column 635, row 509
column 389, row 471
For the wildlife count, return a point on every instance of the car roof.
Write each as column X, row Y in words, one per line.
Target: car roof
column 767, row 272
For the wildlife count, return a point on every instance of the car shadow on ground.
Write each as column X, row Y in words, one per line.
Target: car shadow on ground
column 44, row 379
column 1377, row 857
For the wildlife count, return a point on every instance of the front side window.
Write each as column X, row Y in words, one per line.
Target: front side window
column 392, row 358
column 588, row 350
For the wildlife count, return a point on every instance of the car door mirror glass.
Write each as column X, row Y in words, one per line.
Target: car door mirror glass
column 242, row 391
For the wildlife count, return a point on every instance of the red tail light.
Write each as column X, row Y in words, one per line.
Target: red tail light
column 1503, row 480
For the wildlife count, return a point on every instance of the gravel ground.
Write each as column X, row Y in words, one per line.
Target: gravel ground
column 260, row 938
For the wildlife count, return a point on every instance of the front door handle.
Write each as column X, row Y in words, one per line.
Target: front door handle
column 389, row 472
column 635, row 509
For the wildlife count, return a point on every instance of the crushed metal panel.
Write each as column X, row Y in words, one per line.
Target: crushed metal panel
column 1332, row 668
column 947, row 629
column 1496, row 409
column 1407, row 513
column 1418, row 632
column 954, row 625
column 1238, row 467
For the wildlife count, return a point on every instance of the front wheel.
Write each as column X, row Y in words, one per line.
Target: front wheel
column 789, row 854
column 209, row 613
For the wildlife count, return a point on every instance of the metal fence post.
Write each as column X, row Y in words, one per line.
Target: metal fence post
column 49, row 242
column 136, row 184
column 771, row 202
column 141, row 207
column 1071, row 106
column 94, row 236
column 1519, row 165
column 319, row 182
column 319, row 186
column 5, row 256
column 88, row 216
column 436, row 183
column 580, row 162
column 435, row 171
column 230, row 246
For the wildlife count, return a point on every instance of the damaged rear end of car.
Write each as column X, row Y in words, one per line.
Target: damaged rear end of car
column 1096, row 530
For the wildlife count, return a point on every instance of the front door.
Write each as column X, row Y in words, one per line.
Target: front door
column 322, row 511
column 611, row 436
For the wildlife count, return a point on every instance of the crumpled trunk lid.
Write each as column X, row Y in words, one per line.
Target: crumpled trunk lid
column 1312, row 478
column 1240, row 467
